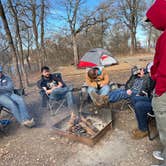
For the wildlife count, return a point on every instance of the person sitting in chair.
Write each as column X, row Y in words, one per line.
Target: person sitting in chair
column 142, row 105
column 132, row 88
column 13, row 102
column 97, row 80
column 54, row 87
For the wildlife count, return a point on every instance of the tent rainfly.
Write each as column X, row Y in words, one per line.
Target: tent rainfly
column 97, row 57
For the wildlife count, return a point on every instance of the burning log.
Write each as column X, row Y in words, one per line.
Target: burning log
column 81, row 126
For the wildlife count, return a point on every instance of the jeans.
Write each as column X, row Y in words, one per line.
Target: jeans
column 117, row 95
column 102, row 91
column 159, row 107
column 60, row 93
column 142, row 105
column 16, row 105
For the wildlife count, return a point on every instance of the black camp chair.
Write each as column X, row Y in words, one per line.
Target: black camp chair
column 54, row 106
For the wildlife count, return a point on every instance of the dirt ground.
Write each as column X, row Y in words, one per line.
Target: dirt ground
column 40, row 146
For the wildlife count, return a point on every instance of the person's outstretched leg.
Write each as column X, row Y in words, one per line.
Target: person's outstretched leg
column 9, row 104
column 118, row 95
column 22, row 107
column 104, row 91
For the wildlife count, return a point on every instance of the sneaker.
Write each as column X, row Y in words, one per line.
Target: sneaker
column 138, row 134
column 29, row 123
column 158, row 155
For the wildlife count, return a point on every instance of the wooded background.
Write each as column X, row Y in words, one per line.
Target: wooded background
column 34, row 33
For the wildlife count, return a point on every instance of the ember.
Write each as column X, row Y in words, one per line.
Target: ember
column 84, row 127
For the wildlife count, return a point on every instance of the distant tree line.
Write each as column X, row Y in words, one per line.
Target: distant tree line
column 28, row 40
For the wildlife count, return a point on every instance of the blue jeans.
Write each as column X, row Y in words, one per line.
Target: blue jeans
column 60, row 93
column 16, row 105
column 142, row 105
column 117, row 95
column 102, row 91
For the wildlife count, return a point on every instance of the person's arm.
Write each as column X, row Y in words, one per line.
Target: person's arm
column 9, row 85
column 54, row 87
column 90, row 83
column 105, row 80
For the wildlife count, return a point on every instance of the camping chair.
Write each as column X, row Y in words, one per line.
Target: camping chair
column 8, row 118
column 150, row 118
column 53, row 105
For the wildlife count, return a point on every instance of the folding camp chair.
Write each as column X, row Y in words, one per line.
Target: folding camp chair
column 9, row 116
column 150, row 118
column 53, row 105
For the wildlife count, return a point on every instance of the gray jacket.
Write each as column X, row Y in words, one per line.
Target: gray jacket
column 6, row 85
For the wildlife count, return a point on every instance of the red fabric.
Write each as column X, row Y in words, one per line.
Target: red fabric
column 84, row 64
column 157, row 15
column 104, row 57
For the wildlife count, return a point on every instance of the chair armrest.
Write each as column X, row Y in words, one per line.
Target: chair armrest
column 20, row 92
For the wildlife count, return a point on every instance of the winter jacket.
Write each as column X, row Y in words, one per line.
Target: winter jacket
column 6, row 85
column 157, row 15
column 147, row 86
column 101, row 79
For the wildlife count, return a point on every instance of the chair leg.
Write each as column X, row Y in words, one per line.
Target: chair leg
column 51, row 105
column 60, row 106
column 151, row 138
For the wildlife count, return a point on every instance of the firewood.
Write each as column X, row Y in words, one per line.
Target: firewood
column 71, row 121
column 88, row 129
column 89, row 124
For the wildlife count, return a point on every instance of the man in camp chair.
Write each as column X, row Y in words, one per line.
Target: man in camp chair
column 132, row 88
column 54, row 88
column 13, row 102
column 97, row 81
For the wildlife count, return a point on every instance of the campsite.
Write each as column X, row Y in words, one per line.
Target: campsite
column 82, row 83
column 115, row 148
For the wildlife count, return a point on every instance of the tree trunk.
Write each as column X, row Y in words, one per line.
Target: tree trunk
column 132, row 44
column 11, row 44
column 44, row 54
column 35, row 32
column 149, row 38
column 75, row 49
column 19, row 41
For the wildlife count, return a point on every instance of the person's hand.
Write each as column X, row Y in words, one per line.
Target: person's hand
column 101, row 85
column 129, row 92
column 54, row 87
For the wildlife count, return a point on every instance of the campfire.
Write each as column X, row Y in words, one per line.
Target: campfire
column 82, row 126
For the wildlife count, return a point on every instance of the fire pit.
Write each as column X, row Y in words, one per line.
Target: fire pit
column 82, row 131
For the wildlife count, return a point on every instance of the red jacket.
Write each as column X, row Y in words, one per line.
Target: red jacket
column 157, row 15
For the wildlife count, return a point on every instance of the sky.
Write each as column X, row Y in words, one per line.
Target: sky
column 54, row 24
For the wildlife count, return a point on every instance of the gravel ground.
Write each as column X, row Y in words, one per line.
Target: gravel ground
column 39, row 146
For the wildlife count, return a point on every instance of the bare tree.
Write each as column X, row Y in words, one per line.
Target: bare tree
column 130, row 12
column 42, row 17
column 79, row 20
column 18, row 35
column 10, row 41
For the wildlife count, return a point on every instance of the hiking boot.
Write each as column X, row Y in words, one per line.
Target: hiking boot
column 135, row 130
column 97, row 99
column 29, row 123
column 158, row 155
column 138, row 134
column 105, row 99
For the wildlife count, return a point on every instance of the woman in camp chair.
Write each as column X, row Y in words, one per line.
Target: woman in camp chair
column 54, row 87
